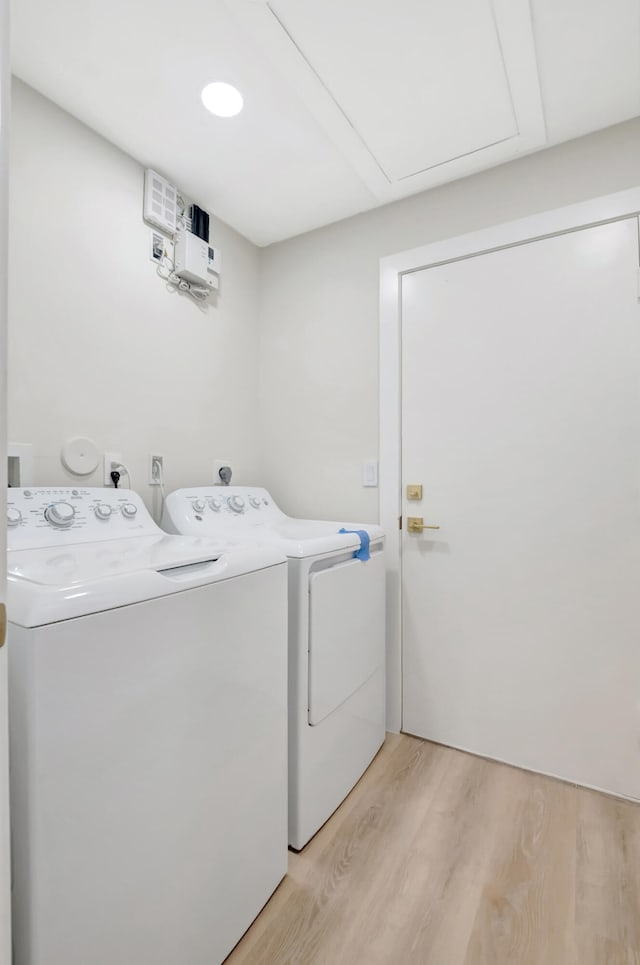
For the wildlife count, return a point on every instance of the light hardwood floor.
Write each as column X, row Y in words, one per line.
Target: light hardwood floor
column 441, row 858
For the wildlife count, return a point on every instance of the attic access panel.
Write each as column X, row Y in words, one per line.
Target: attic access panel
column 414, row 92
column 420, row 82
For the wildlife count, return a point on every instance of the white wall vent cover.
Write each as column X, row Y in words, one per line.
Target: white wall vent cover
column 412, row 93
column 160, row 201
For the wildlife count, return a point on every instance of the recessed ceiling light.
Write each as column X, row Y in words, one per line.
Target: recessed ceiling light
column 222, row 99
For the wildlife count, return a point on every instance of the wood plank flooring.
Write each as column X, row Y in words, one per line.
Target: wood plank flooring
column 441, row 858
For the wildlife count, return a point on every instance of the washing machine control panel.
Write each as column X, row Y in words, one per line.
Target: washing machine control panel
column 47, row 516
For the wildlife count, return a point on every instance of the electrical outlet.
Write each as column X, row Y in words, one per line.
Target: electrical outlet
column 111, row 461
column 155, row 462
column 217, row 466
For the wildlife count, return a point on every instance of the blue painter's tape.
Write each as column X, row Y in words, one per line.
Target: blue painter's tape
column 363, row 553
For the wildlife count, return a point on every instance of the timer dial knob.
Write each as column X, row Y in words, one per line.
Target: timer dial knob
column 235, row 503
column 129, row 510
column 199, row 505
column 216, row 504
column 255, row 502
column 60, row 515
column 14, row 516
column 103, row 511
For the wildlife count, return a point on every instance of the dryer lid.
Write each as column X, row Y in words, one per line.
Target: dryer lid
column 249, row 515
column 300, row 538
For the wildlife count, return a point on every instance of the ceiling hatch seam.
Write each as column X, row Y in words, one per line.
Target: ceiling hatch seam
column 458, row 157
column 506, row 75
column 329, row 94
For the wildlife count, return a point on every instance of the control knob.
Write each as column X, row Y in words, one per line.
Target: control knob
column 199, row 505
column 103, row 511
column 14, row 516
column 216, row 504
column 235, row 503
column 129, row 510
column 60, row 515
column 255, row 502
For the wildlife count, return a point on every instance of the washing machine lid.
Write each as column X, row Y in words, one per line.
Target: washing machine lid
column 55, row 583
column 257, row 520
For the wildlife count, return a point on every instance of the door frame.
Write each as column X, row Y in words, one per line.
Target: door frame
column 612, row 207
column 5, row 851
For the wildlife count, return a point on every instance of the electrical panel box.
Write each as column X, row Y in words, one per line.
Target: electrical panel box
column 160, row 201
column 196, row 261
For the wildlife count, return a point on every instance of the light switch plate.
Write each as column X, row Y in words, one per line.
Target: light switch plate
column 370, row 473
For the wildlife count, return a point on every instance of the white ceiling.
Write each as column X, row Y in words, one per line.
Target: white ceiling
column 348, row 103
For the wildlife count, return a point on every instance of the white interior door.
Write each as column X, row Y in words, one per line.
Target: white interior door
column 521, row 418
column 5, row 929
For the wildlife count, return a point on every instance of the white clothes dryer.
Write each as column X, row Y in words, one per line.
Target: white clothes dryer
column 336, row 638
column 148, row 733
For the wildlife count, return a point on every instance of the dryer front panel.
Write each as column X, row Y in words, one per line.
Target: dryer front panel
column 346, row 630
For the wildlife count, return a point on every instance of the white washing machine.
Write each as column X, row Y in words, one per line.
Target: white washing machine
column 336, row 638
column 148, row 733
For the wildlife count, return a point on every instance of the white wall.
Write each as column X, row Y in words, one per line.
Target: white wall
column 319, row 312
column 98, row 346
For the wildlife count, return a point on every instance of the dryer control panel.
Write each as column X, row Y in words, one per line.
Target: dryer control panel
column 228, row 509
column 63, row 515
column 251, row 502
column 248, row 515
